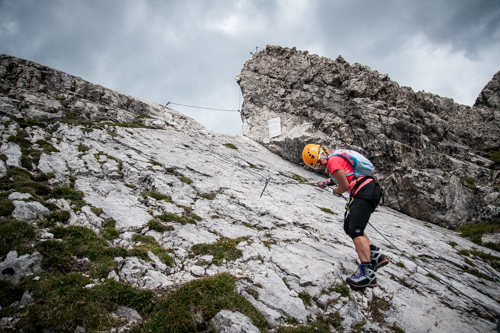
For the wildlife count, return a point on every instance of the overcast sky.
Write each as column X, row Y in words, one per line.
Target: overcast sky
column 189, row 51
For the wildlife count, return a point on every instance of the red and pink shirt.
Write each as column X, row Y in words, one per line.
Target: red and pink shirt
column 337, row 163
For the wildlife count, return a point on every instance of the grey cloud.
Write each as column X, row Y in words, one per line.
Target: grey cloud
column 190, row 51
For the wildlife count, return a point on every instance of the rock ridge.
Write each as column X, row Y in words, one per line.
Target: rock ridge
column 433, row 156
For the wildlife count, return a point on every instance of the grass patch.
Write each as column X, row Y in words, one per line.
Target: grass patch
column 83, row 148
column 208, row 196
column 170, row 217
column 186, row 180
column 432, row 276
column 230, row 145
column 253, row 292
column 316, row 326
column 321, row 325
column 62, row 303
column 110, row 231
column 157, row 196
column 56, row 216
column 23, row 123
column 6, row 207
column 224, row 248
column 464, row 253
column 82, row 243
column 156, row 163
column 16, row 236
column 397, row 329
column 341, row 288
column 477, row 273
column 9, row 293
column 76, row 197
column 21, row 139
column 268, row 244
column 469, row 182
column 493, row 153
column 475, row 232
column 374, row 307
column 149, row 243
column 23, row 181
column 158, row 226
column 494, row 261
column 96, row 211
column 205, row 297
column 300, row 179
column 327, row 210
column 306, row 298
column 47, row 147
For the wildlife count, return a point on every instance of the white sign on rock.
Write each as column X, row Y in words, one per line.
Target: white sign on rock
column 274, row 127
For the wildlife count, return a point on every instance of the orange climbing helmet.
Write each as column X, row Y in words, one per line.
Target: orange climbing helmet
column 311, row 154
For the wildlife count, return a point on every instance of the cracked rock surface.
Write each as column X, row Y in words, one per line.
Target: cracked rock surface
column 294, row 255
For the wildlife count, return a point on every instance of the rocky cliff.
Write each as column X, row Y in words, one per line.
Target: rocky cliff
column 435, row 158
column 118, row 213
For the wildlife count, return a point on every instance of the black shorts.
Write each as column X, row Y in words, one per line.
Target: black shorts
column 361, row 208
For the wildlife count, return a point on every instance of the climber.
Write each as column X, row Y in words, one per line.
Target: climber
column 364, row 196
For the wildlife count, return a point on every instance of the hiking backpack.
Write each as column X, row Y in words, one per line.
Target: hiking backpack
column 361, row 165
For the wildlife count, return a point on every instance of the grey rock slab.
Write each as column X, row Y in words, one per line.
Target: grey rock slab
column 274, row 294
column 159, row 265
column 26, row 298
column 130, row 314
column 351, row 314
column 29, row 211
column 227, row 321
column 54, row 163
column 19, row 196
column 113, row 276
column 3, row 168
column 13, row 268
column 13, row 153
column 154, row 279
column 298, row 262
column 187, row 235
column 197, row 270
column 117, row 201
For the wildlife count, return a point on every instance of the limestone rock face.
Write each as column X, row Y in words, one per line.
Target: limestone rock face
column 290, row 254
column 31, row 90
column 427, row 150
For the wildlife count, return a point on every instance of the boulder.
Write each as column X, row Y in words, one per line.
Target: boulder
column 29, row 211
column 13, row 268
column 232, row 322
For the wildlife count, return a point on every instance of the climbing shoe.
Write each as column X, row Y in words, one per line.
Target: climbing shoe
column 378, row 260
column 364, row 277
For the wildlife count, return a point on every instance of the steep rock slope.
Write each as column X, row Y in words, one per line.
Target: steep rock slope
column 433, row 156
column 144, row 186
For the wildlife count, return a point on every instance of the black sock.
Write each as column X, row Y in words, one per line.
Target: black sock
column 366, row 263
column 373, row 247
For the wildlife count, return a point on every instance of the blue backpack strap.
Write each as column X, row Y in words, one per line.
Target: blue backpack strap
column 353, row 173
